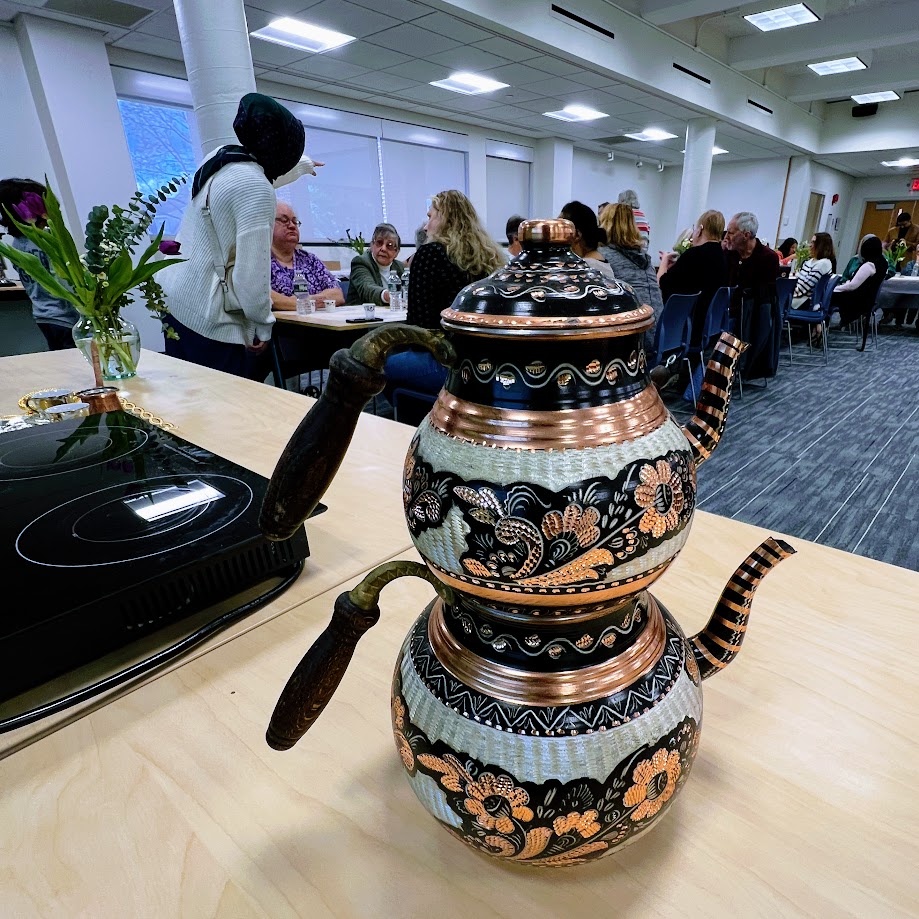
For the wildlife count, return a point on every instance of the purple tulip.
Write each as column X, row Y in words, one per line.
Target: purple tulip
column 169, row 247
column 30, row 208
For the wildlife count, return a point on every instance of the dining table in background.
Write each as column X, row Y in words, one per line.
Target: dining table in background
column 901, row 292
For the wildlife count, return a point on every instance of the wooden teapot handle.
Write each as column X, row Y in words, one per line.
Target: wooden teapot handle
column 315, row 451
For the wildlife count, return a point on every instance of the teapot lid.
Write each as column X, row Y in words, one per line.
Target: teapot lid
column 547, row 292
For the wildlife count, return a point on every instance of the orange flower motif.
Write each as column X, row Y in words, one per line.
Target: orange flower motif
column 655, row 782
column 398, row 719
column 661, row 495
column 494, row 800
column 581, row 523
column 585, row 824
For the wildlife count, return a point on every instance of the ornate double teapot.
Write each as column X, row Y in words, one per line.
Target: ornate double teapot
column 546, row 707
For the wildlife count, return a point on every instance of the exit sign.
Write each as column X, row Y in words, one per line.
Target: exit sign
column 915, row 185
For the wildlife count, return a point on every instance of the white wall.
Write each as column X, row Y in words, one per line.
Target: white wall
column 595, row 180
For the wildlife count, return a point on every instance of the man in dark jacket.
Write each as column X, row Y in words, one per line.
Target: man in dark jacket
column 371, row 270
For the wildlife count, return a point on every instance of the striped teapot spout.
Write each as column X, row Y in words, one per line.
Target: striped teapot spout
column 704, row 430
column 719, row 642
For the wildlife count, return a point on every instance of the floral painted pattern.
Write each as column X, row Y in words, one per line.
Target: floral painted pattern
column 550, row 823
column 661, row 496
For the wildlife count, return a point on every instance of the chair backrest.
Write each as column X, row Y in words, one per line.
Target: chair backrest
column 716, row 320
column 785, row 288
column 826, row 303
column 674, row 326
column 819, row 290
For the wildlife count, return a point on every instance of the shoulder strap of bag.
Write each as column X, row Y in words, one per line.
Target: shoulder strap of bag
column 220, row 265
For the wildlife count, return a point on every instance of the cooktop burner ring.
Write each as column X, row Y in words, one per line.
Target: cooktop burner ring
column 38, row 536
column 30, row 466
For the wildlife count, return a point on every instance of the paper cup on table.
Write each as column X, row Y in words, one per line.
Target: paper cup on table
column 329, row 304
column 370, row 310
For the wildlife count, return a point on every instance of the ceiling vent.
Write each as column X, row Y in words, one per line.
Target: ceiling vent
column 692, row 73
column 581, row 21
column 760, row 106
column 108, row 12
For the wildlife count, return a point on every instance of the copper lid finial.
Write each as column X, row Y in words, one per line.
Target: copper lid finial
column 546, row 230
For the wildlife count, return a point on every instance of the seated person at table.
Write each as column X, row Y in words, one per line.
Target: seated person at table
column 855, row 298
column 629, row 262
column 702, row 267
column 55, row 318
column 821, row 262
column 459, row 252
column 421, row 237
column 371, row 270
column 908, row 232
column 587, row 236
column 751, row 265
column 287, row 258
column 787, row 252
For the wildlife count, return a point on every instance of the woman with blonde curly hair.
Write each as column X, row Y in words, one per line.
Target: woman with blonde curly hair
column 458, row 252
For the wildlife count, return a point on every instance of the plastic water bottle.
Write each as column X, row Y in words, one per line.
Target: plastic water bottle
column 405, row 289
column 301, row 292
column 393, row 285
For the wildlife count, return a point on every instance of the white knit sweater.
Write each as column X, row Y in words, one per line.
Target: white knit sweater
column 242, row 204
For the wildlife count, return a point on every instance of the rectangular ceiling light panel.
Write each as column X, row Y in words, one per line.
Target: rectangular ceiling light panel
column 864, row 98
column 903, row 162
column 782, row 18
column 651, row 134
column 576, row 113
column 842, row 65
column 469, row 84
column 303, row 35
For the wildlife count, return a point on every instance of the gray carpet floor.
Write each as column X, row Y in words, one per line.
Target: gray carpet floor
column 826, row 453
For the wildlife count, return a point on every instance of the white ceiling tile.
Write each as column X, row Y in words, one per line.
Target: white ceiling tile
column 542, row 104
column 420, row 71
column 555, row 66
column 363, row 54
column 384, row 82
column 409, row 39
column 509, row 50
column 321, row 66
column 162, row 24
column 589, row 78
column 513, row 95
column 556, row 86
column 517, row 74
column 151, row 44
column 292, row 79
column 451, row 27
column 405, row 10
column 466, row 58
column 348, row 18
column 279, row 7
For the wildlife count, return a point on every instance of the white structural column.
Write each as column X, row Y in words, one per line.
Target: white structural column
column 797, row 197
column 552, row 172
column 697, row 171
column 68, row 73
column 215, row 45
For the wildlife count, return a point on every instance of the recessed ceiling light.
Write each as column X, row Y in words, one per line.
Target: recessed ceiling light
column 576, row 113
column 887, row 96
column 842, row 65
column 652, row 134
column 470, row 84
column 782, row 18
column 302, row 35
column 716, row 151
column 902, row 162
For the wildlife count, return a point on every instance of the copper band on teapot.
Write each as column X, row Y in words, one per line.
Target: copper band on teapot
column 607, row 325
column 565, row 687
column 556, row 598
column 566, row 429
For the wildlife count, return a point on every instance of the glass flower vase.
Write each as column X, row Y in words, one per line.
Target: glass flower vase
column 117, row 341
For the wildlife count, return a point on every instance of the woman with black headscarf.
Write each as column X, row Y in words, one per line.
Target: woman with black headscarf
column 855, row 298
column 219, row 299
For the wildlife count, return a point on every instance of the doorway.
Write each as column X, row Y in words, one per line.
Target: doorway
column 814, row 210
column 880, row 216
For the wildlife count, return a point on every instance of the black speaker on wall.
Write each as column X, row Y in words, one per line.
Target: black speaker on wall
column 864, row 111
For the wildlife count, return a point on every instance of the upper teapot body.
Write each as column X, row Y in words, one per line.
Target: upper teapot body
column 549, row 470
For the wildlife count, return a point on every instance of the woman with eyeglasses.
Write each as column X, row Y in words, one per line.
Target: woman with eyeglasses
column 371, row 270
column 287, row 258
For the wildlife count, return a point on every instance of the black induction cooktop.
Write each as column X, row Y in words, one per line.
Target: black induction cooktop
column 112, row 529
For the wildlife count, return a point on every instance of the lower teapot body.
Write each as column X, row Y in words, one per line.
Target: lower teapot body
column 542, row 766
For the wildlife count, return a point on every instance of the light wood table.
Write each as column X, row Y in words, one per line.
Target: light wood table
column 250, row 423
column 168, row 803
